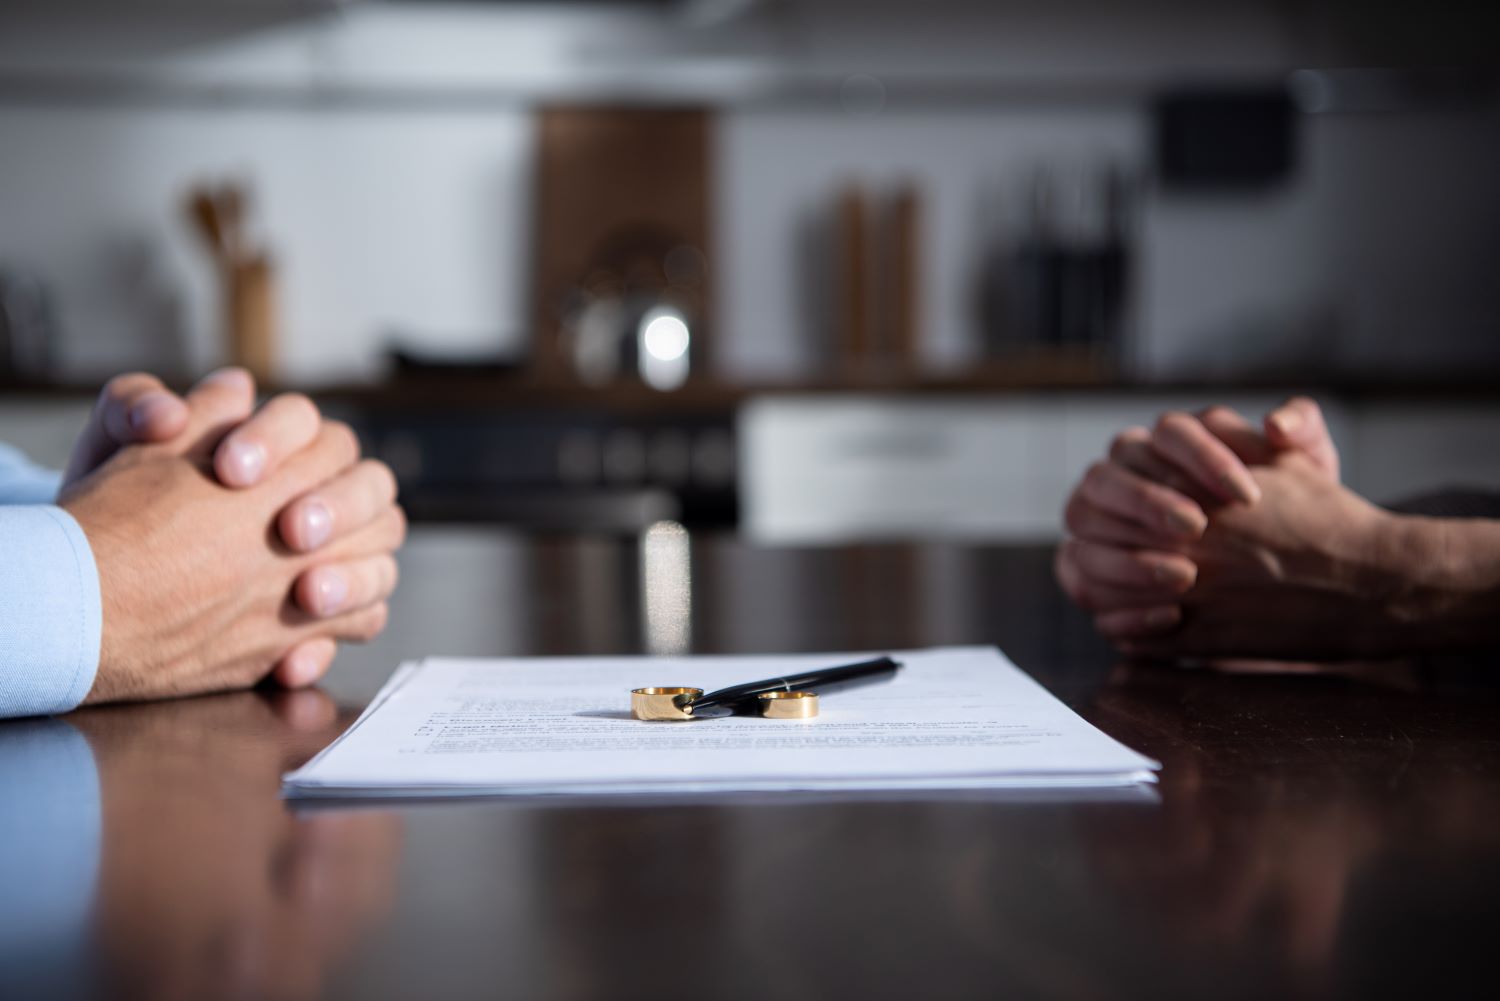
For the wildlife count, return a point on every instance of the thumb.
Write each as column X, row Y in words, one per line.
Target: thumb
column 132, row 409
column 1298, row 425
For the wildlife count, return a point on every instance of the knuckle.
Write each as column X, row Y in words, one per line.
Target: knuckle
column 372, row 623
column 1175, row 422
column 1138, row 494
column 1074, row 514
column 297, row 407
column 1067, row 577
column 1087, row 597
column 119, row 386
column 1112, row 624
column 1217, row 413
column 1122, row 443
column 382, row 479
column 1138, row 569
column 341, row 437
column 399, row 526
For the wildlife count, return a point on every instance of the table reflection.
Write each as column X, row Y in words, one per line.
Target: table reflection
column 1294, row 795
column 206, row 885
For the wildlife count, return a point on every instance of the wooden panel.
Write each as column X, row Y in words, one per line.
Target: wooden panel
column 853, row 242
column 900, row 258
column 617, row 190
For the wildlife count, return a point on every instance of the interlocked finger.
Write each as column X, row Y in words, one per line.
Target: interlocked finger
column 1140, row 569
column 339, row 507
column 1132, row 449
column 1182, row 440
column 1133, row 497
column 285, row 425
column 217, row 404
column 332, row 589
column 1085, row 520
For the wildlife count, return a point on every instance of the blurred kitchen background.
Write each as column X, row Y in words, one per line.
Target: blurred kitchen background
column 816, row 269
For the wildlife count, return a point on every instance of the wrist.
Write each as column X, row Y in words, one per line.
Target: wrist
column 1445, row 576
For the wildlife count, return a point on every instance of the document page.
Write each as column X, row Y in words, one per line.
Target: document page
column 951, row 718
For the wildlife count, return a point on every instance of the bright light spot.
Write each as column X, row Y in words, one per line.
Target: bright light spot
column 663, row 348
column 664, row 335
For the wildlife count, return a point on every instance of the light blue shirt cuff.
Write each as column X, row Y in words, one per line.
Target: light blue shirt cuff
column 50, row 613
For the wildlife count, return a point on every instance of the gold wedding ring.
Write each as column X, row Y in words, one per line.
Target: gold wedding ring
column 661, row 703
column 789, row 705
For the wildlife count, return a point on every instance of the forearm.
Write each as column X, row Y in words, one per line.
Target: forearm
column 1450, row 568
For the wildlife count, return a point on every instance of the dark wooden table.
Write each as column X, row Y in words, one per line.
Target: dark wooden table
column 1317, row 834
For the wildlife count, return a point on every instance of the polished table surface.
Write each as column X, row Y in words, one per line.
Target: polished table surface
column 1315, row 833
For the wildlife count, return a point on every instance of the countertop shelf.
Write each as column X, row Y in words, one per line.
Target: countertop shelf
column 516, row 391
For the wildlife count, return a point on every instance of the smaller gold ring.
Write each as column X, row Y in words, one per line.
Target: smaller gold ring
column 661, row 703
column 789, row 705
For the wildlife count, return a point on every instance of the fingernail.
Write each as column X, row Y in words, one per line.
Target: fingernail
column 1173, row 573
column 329, row 591
column 245, row 460
column 1242, row 488
column 150, row 409
column 1191, row 523
column 315, row 522
column 1160, row 618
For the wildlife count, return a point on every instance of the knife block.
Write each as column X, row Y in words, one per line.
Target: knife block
column 250, row 294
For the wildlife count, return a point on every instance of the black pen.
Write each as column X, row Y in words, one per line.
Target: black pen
column 743, row 698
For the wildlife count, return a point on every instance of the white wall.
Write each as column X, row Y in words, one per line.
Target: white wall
column 378, row 221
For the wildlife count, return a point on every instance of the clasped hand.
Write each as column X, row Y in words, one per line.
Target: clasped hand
column 1205, row 536
column 232, row 544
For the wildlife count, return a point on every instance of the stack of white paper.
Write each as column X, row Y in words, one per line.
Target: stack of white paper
column 958, row 718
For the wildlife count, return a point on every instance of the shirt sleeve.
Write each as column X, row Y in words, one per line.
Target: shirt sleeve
column 50, row 612
column 23, row 482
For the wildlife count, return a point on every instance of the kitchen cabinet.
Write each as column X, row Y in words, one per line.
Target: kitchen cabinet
column 828, row 469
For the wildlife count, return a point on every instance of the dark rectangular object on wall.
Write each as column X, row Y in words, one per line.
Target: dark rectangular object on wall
column 1223, row 139
column 618, row 188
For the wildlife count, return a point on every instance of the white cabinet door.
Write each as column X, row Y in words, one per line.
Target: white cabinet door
column 829, row 468
column 821, row 469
